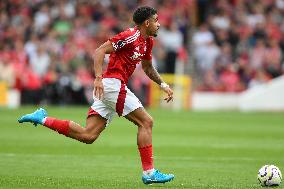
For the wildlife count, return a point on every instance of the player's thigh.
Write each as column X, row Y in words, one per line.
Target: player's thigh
column 140, row 117
column 95, row 124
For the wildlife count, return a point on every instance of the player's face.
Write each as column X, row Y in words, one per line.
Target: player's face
column 153, row 26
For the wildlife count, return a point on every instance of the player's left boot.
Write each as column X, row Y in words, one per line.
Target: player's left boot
column 35, row 117
column 157, row 177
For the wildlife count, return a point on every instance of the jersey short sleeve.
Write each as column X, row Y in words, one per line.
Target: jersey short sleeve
column 149, row 47
column 122, row 40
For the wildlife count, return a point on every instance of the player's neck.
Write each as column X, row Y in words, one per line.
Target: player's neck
column 142, row 32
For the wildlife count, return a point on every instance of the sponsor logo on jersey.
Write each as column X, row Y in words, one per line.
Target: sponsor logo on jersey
column 136, row 56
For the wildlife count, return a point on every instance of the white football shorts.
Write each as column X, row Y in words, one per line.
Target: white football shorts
column 117, row 100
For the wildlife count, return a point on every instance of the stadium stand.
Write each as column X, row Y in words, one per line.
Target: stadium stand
column 239, row 44
column 46, row 46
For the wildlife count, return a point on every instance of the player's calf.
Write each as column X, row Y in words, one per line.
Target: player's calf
column 89, row 139
column 89, row 134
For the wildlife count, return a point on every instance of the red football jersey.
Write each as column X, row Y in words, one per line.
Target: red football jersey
column 129, row 49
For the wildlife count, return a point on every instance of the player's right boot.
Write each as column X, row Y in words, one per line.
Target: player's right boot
column 157, row 177
column 35, row 117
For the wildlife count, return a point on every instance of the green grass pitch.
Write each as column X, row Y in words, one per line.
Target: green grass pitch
column 205, row 150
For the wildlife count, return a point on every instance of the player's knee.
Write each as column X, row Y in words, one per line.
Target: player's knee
column 90, row 139
column 148, row 123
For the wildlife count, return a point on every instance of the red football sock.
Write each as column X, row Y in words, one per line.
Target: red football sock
column 61, row 126
column 146, row 155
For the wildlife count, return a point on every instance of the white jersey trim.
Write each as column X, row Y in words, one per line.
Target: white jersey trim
column 127, row 40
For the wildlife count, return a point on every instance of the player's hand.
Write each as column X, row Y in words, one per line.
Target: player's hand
column 169, row 92
column 98, row 88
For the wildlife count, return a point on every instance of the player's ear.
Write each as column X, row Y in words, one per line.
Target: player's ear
column 147, row 23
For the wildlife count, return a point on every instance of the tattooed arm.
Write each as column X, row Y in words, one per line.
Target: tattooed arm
column 152, row 73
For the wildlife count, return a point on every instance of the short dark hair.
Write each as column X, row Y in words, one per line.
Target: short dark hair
column 143, row 13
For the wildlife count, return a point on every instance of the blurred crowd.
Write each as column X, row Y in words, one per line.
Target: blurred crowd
column 239, row 44
column 46, row 46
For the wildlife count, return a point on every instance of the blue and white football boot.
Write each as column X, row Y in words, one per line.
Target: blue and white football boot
column 35, row 117
column 157, row 177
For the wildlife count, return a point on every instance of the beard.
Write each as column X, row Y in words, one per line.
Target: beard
column 155, row 34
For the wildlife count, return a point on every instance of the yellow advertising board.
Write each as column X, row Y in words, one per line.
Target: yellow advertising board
column 181, row 85
column 3, row 93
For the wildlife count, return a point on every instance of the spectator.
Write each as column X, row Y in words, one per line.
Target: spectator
column 207, row 56
column 40, row 61
column 32, row 44
column 257, row 55
column 42, row 18
column 259, row 77
column 171, row 40
column 206, row 50
column 230, row 80
column 273, row 57
column 7, row 72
